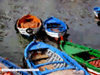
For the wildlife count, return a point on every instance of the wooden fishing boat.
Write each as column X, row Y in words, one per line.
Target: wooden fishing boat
column 6, row 64
column 55, row 27
column 84, row 55
column 96, row 11
column 28, row 25
column 49, row 60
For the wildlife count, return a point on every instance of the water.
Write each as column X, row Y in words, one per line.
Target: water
column 78, row 14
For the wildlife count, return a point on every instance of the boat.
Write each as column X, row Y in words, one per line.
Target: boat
column 55, row 27
column 89, row 57
column 6, row 64
column 96, row 11
column 48, row 60
column 28, row 25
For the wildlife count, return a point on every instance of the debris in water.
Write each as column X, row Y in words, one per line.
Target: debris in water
column 81, row 24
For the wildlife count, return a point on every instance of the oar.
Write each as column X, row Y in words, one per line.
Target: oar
column 11, row 70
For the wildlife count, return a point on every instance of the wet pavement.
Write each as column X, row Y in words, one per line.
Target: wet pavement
column 78, row 14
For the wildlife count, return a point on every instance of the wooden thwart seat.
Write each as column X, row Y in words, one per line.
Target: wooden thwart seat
column 39, row 57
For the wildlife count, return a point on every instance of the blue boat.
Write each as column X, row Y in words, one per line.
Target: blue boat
column 49, row 59
column 96, row 11
column 10, row 65
column 55, row 27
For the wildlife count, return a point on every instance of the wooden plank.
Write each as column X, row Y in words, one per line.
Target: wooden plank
column 42, row 68
column 40, row 62
column 38, row 57
column 68, row 72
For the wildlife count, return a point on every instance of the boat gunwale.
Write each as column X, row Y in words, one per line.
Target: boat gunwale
column 63, row 55
column 80, row 60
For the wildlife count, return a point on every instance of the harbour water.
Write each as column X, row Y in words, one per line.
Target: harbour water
column 78, row 14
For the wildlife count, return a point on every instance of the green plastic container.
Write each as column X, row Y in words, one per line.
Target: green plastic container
column 81, row 53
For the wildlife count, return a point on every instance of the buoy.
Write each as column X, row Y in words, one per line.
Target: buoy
column 71, row 40
column 61, row 38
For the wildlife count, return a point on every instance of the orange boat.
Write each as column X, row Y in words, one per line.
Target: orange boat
column 28, row 25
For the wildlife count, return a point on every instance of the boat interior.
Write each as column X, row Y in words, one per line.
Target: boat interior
column 88, row 57
column 53, row 25
column 29, row 21
column 45, row 59
column 3, row 66
column 49, row 59
column 56, row 27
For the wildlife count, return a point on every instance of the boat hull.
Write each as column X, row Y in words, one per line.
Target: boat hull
column 56, row 29
column 96, row 11
column 58, row 59
column 9, row 65
column 23, row 31
column 74, row 50
column 27, row 27
column 54, row 34
column 93, row 72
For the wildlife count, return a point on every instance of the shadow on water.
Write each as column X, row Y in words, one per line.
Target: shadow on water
column 98, row 23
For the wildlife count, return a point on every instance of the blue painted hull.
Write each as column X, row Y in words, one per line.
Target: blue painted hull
column 34, row 46
column 96, row 11
column 10, row 65
column 54, row 27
